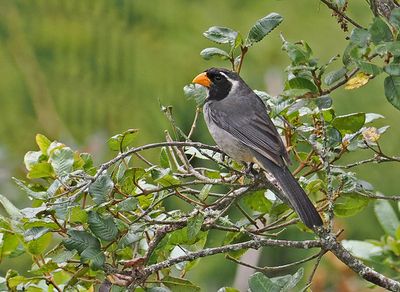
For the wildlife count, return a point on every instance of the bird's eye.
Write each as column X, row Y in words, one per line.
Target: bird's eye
column 218, row 77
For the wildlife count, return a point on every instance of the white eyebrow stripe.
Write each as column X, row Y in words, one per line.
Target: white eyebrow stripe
column 235, row 83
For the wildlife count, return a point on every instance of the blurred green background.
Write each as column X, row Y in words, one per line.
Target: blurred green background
column 81, row 71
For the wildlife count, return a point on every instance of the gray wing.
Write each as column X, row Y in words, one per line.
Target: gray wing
column 246, row 119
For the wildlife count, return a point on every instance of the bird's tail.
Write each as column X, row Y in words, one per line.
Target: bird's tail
column 293, row 191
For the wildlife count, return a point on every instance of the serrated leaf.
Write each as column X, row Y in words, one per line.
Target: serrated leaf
column 164, row 177
column 80, row 240
column 179, row 284
column 208, row 53
column 392, row 47
column 350, row 123
column 9, row 207
column 380, row 31
column 221, row 35
column 196, row 92
column 386, row 216
column 103, row 228
column 392, row 90
column 288, row 282
column 360, row 79
column 101, row 188
column 62, row 160
column 263, row 27
column 349, row 205
column 194, row 225
column 335, row 76
column 135, row 233
column 394, row 18
column 94, row 257
column 362, row 250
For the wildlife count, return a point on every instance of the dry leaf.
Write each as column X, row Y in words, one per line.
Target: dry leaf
column 357, row 81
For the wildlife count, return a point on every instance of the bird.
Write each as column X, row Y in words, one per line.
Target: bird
column 239, row 123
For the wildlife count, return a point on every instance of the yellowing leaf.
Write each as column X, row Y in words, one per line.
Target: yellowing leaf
column 357, row 81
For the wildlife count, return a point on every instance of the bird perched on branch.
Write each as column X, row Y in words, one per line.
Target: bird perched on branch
column 239, row 123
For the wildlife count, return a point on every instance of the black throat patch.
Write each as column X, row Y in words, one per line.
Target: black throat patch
column 220, row 85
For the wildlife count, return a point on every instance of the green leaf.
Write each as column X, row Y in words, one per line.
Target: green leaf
column 394, row 18
column 258, row 282
column 196, row 92
column 8, row 244
column 386, row 216
column 360, row 37
column 163, row 177
column 63, row 256
column 179, row 285
column 77, row 214
column 94, row 257
column 257, row 202
column 194, row 225
column 120, row 141
column 296, row 53
column 62, row 160
column 38, row 246
column 349, row 205
column 350, row 123
column 287, row 282
column 205, row 190
column 391, row 47
column 129, row 204
column 263, row 27
column 29, row 192
column 41, row 170
column 31, row 158
column 369, row 68
column 35, row 233
column 392, row 69
column 228, row 289
column 221, row 35
column 9, row 207
column 392, row 90
column 208, row 53
column 380, row 31
column 164, row 159
column 362, row 250
column 101, row 188
column 103, row 228
column 135, row 233
column 300, row 83
column 43, row 142
column 80, row 240
column 334, row 76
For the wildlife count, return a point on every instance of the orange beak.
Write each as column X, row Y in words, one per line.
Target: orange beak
column 202, row 79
